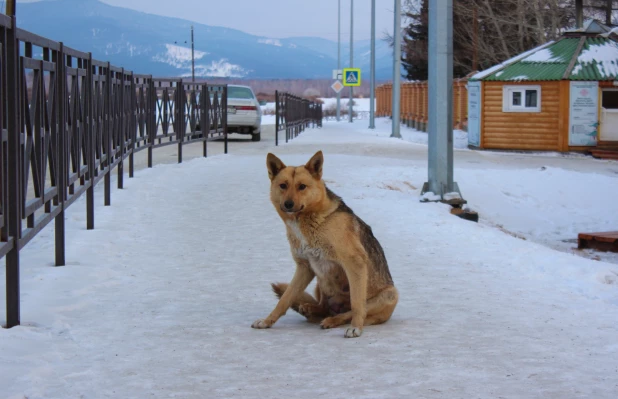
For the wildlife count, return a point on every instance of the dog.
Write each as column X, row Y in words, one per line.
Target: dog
column 328, row 242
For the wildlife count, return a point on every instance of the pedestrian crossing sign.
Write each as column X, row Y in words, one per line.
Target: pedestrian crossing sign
column 351, row 77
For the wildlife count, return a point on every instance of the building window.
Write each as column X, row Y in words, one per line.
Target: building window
column 521, row 99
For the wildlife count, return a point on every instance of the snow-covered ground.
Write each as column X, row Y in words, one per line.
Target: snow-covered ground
column 360, row 104
column 158, row 300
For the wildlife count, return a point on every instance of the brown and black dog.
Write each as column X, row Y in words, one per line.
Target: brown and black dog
column 330, row 242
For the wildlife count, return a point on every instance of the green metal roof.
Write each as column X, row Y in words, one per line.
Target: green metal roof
column 598, row 60
column 590, row 58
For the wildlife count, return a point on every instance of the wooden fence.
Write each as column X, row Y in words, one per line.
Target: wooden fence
column 67, row 121
column 414, row 102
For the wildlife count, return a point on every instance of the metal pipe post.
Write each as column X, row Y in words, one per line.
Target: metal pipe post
column 441, row 99
column 339, row 57
column 350, row 106
column 396, row 71
column 372, row 96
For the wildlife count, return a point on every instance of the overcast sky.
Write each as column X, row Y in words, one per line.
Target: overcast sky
column 274, row 18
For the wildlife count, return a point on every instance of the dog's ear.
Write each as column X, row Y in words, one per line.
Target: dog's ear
column 274, row 166
column 314, row 166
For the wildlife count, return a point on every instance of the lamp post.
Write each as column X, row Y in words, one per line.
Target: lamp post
column 396, row 71
column 372, row 95
column 338, row 56
column 192, row 56
column 351, row 102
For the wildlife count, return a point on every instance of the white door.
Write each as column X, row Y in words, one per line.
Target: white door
column 609, row 115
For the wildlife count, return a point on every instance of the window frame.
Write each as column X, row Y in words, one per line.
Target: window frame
column 507, row 95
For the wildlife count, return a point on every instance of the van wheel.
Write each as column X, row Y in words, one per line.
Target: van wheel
column 256, row 136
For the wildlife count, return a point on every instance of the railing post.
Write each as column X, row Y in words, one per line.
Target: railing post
column 224, row 115
column 108, row 139
column 90, row 144
column 133, row 108
column 180, row 117
column 287, row 117
column 121, row 134
column 276, row 117
column 14, row 179
column 204, row 118
column 61, row 137
column 152, row 118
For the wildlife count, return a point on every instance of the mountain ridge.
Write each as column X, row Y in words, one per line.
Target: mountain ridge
column 154, row 44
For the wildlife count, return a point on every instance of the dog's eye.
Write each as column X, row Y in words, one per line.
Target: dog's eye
column 302, row 187
column 283, row 186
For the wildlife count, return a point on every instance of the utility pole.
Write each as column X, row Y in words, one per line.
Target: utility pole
column 192, row 57
column 350, row 103
column 441, row 103
column 396, row 71
column 10, row 7
column 339, row 57
column 372, row 95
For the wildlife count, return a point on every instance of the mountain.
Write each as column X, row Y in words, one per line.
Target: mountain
column 161, row 46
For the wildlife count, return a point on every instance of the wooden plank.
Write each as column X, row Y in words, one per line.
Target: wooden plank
column 603, row 241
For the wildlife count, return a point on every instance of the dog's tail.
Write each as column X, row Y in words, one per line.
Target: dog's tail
column 279, row 289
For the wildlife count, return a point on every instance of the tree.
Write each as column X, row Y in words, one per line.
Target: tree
column 415, row 40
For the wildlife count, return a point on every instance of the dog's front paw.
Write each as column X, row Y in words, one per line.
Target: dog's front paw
column 261, row 323
column 353, row 332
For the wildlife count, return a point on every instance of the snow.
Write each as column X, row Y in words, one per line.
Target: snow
column 220, row 69
column 604, row 55
column 178, row 56
column 519, row 78
column 544, row 55
column 487, row 72
column 272, row 42
column 361, row 104
column 158, row 300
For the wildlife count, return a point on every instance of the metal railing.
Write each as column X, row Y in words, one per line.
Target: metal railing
column 293, row 114
column 67, row 121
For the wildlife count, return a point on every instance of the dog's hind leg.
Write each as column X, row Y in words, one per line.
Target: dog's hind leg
column 305, row 304
column 379, row 310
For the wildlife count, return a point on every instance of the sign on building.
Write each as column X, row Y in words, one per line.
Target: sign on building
column 474, row 113
column 584, row 113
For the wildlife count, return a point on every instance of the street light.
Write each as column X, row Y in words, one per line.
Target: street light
column 351, row 103
column 192, row 56
column 372, row 95
column 396, row 71
column 338, row 57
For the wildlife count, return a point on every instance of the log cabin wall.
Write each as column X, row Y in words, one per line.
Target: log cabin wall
column 523, row 130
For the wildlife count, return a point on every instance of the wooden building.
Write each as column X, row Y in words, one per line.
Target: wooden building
column 561, row 96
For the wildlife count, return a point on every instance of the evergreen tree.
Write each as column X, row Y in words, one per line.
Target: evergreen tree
column 415, row 42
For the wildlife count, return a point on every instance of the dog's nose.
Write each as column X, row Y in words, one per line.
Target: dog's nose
column 288, row 204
